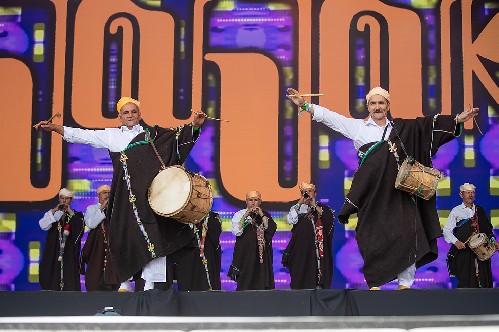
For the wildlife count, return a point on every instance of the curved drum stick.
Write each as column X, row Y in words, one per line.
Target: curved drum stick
column 56, row 115
column 209, row 117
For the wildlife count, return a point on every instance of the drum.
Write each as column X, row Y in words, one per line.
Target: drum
column 417, row 179
column 181, row 195
column 482, row 246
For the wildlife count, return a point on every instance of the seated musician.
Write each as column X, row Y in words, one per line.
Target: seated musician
column 309, row 253
column 254, row 228
column 465, row 220
column 141, row 238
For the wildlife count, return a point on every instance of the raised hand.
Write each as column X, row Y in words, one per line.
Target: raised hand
column 295, row 97
column 467, row 114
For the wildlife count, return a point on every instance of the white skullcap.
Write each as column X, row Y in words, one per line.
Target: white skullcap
column 103, row 188
column 65, row 192
column 467, row 187
column 378, row 91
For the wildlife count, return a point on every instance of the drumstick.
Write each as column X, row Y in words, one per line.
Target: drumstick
column 53, row 116
column 209, row 117
column 307, row 95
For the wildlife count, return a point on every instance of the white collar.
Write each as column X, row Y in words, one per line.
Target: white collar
column 137, row 128
column 370, row 122
column 465, row 207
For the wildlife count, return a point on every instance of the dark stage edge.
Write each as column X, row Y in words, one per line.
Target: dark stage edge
column 277, row 303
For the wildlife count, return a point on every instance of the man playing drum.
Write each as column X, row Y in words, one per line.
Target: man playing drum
column 141, row 239
column 396, row 231
column 252, row 262
column 465, row 220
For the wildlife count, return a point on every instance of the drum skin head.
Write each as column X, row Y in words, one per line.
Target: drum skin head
column 169, row 191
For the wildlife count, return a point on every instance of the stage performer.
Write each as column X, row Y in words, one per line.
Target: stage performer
column 254, row 228
column 465, row 220
column 309, row 254
column 208, row 249
column 100, row 273
column 61, row 253
column 396, row 231
column 140, row 238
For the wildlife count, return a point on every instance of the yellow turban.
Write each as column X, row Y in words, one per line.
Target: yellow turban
column 126, row 100
column 253, row 194
column 378, row 91
column 306, row 186
column 103, row 188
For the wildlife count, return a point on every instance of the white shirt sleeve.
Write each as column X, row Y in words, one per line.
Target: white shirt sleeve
column 94, row 216
column 292, row 217
column 235, row 222
column 449, row 227
column 49, row 218
column 95, row 138
column 348, row 127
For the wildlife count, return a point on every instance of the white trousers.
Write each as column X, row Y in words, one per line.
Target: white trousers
column 406, row 277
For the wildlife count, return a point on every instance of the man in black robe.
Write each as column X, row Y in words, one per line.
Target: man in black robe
column 254, row 228
column 61, row 253
column 100, row 273
column 396, row 231
column 309, row 253
column 209, row 251
column 463, row 222
column 140, row 238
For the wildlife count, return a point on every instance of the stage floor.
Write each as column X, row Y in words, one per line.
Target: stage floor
column 284, row 303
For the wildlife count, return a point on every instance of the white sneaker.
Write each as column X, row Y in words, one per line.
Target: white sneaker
column 125, row 287
column 148, row 285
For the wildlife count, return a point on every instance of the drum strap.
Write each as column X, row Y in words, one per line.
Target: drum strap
column 411, row 159
column 155, row 150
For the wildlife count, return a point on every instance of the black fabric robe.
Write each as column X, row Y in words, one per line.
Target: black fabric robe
column 396, row 229
column 50, row 267
column 246, row 269
column 96, row 249
column 462, row 262
column 212, row 249
column 129, row 248
column 186, row 265
column 300, row 255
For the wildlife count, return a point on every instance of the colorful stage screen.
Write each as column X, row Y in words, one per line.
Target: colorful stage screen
column 234, row 60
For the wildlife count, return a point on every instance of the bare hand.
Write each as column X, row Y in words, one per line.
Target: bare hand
column 45, row 125
column 467, row 115
column 198, row 120
column 49, row 126
column 295, row 97
column 459, row 245
column 259, row 211
column 497, row 245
